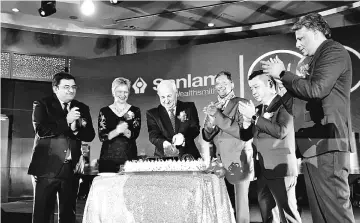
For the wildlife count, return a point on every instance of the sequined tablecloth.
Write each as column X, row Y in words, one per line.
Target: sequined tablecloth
column 158, row 198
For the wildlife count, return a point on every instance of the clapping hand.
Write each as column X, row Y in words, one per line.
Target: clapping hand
column 211, row 109
column 209, row 121
column 273, row 67
column 247, row 109
column 121, row 127
column 73, row 115
column 127, row 133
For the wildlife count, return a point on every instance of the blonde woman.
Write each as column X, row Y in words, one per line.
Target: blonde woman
column 119, row 126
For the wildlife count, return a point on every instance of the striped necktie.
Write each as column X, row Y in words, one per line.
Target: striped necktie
column 172, row 118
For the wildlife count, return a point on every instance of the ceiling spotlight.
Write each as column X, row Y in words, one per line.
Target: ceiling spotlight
column 211, row 24
column 15, row 10
column 87, row 7
column 114, row 2
column 47, row 8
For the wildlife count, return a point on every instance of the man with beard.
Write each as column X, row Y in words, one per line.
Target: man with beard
column 327, row 90
column 222, row 125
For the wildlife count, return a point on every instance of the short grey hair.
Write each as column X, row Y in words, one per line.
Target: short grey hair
column 167, row 83
column 118, row 81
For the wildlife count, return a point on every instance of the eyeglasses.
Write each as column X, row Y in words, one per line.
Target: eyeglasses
column 67, row 87
column 217, row 85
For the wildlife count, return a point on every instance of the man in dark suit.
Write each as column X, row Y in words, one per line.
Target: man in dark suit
column 60, row 124
column 273, row 134
column 173, row 125
column 222, row 127
column 326, row 145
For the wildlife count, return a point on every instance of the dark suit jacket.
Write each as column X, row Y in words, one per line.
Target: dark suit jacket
column 160, row 129
column 274, row 140
column 327, row 90
column 226, row 138
column 53, row 136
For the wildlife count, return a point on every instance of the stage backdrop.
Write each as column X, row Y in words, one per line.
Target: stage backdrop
column 194, row 68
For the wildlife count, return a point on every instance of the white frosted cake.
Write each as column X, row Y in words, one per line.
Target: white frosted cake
column 164, row 165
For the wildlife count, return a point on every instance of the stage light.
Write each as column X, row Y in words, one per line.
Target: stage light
column 47, row 8
column 15, row 10
column 87, row 7
column 114, row 1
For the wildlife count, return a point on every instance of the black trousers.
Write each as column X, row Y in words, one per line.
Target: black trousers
column 326, row 179
column 278, row 192
column 62, row 188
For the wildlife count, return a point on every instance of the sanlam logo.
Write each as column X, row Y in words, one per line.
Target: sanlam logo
column 139, row 86
column 192, row 85
column 182, row 84
column 190, row 81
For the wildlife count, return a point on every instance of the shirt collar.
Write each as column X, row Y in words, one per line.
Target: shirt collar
column 168, row 110
column 269, row 101
column 62, row 103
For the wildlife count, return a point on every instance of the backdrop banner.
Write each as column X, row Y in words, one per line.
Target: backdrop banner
column 193, row 68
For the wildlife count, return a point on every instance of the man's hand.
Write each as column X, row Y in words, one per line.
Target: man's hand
column 247, row 109
column 73, row 115
column 127, row 133
column 273, row 67
column 178, row 139
column 211, row 109
column 209, row 121
column 73, row 126
column 169, row 149
column 121, row 127
column 246, row 123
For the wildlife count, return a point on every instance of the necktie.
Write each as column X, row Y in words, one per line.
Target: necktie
column 65, row 108
column 68, row 151
column 172, row 118
column 265, row 108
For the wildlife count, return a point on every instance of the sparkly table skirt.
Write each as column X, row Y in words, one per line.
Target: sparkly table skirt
column 158, row 198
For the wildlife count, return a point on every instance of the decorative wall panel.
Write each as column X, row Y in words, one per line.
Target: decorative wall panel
column 5, row 64
column 36, row 67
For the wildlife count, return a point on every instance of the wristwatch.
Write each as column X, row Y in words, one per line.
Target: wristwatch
column 254, row 118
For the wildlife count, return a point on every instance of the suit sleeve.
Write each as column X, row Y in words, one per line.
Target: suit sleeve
column 278, row 129
column 86, row 133
column 44, row 126
column 194, row 127
column 155, row 135
column 230, row 126
column 328, row 69
column 208, row 134
column 247, row 134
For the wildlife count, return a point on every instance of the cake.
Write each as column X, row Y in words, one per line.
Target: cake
column 164, row 165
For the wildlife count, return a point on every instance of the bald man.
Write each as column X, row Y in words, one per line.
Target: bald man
column 272, row 128
column 173, row 125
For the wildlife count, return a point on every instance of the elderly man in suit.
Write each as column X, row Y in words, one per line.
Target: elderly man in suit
column 326, row 145
column 173, row 125
column 60, row 124
column 222, row 127
column 272, row 128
